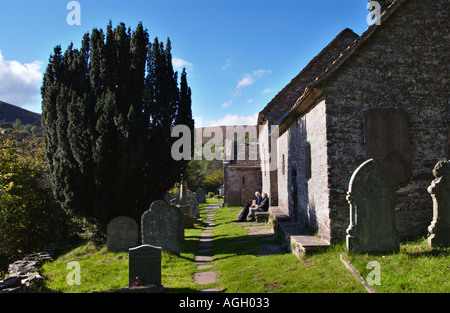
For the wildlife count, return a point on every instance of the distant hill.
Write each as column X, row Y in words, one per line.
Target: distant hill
column 9, row 113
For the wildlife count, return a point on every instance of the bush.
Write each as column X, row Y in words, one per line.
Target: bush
column 210, row 194
column 30, row 217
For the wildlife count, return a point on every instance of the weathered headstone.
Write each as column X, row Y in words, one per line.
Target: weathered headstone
column 372, row 200
column 162, row 226
column 440, row 193
column 122, row 233
column 144, row 265
column 201, row 196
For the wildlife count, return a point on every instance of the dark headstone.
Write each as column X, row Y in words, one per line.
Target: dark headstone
column 144, row 266
column 201, row 196
column 122, row 233
column 372, row 200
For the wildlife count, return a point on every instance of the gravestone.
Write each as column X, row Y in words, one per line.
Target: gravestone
column 440, row 193
column 162, row 226
column 122, row 233
column 144, row 266
column 372, row 200
column 201, row 196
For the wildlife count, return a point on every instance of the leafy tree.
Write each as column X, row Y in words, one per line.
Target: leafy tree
column 108, row 111
column 18, row 124
column 30, row 217
column 214, row 180
column 195, row 175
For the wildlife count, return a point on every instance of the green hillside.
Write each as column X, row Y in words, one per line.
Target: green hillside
column 10, row 113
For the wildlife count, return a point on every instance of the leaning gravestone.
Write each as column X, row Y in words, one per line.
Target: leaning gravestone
column 122, row 233
column 144, row 265
column 162, row 226
column 372, row 200
column 440, row 193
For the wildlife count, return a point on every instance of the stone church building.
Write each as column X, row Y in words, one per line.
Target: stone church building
column 381, row 95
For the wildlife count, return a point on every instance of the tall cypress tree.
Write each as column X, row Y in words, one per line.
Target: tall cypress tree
column 108, row 110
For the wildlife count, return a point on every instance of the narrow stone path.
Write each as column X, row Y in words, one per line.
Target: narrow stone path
column 204, row 255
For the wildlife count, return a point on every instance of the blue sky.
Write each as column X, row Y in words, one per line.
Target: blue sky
column 238, row 53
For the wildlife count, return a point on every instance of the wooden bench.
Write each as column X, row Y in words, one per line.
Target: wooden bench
column 262, row 217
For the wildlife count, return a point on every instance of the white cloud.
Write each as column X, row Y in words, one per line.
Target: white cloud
column 247, row 80
column 20, row 83
column 267, row 90
column 179, row 64
column 232, row 119
column 227, row 104
column 251, row 78
column 226, row 65
column 250, row 101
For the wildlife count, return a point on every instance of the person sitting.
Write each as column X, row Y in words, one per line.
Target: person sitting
column 245, row 211
column 262, row 207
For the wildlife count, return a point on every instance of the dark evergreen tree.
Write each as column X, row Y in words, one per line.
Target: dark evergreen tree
column 108, row 111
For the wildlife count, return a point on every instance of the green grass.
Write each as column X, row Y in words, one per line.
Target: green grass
column 241, row 270
column 415, row 268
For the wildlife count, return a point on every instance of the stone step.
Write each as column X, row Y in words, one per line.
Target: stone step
column 296, row 238
column 301, row 245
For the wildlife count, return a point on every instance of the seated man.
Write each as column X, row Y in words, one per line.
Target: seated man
column 244, row 212
column 262, row 207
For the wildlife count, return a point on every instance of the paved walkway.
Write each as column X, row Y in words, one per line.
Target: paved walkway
column 204, row 253
column 204, row 256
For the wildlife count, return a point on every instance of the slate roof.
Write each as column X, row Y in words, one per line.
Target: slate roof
column 311, row 93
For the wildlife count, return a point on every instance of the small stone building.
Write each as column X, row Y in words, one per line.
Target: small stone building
column 242, row 173
column 381, row 95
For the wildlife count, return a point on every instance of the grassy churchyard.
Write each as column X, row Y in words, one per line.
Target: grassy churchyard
column 416, row 268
